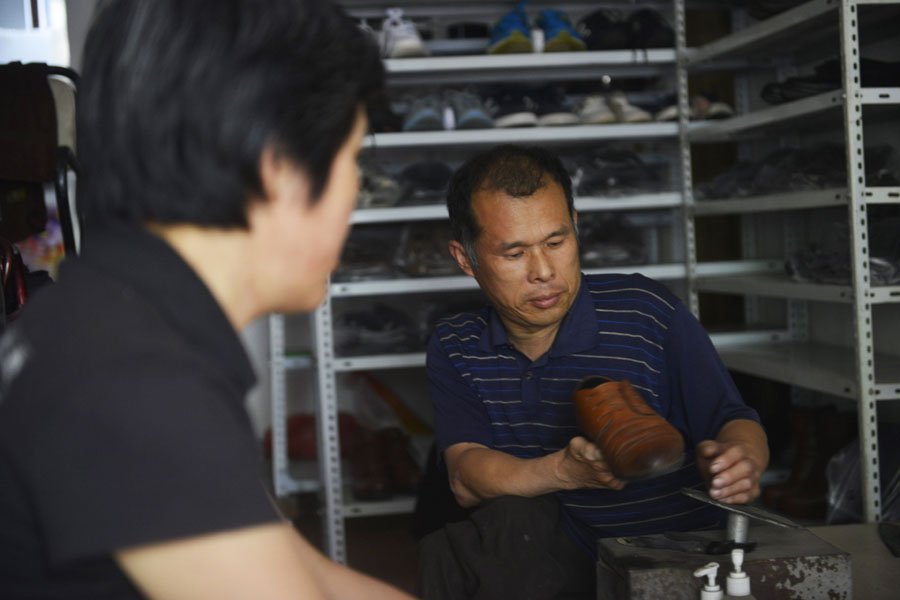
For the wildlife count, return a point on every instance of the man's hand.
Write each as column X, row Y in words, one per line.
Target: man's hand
column 582, row 465
column 734, row 463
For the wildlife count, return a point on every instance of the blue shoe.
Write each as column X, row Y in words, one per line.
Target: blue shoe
column 512, row 34
column 469, row 111
column 424, row 114
column 559, row 35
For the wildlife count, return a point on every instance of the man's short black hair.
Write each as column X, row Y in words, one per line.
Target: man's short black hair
column 517, row 171
column 179, row 98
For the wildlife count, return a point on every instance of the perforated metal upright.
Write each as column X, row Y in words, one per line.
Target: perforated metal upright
column 859, row 222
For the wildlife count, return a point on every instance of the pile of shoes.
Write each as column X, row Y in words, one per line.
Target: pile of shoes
column 827, row 260
column 827, row 77
column 641, row 29
column 703, row 106
column 381, row 329
column 784, row 170
column 818, row 433
column 614, row 171
column 381, row 464
column 449, row 109
column 610, row 239
column 512, row 33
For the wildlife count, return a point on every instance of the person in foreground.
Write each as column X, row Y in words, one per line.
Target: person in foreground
column 502, row 382
column 218, row 141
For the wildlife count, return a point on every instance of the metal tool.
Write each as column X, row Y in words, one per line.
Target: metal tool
column 742, row 509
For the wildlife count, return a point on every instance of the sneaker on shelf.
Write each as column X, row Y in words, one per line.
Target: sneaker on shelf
column 594, row 110
column 625, row 111
column 512, row 33
column 513, row 107
column 553, row 108
column 424, row 114
column 400, row 38
column 706, row 107
column 469, row 111
column 648, row 29
column 605, row 30
column 559, row 35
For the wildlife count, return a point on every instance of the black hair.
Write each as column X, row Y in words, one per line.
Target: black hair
column 179, row 99
column 517, row 171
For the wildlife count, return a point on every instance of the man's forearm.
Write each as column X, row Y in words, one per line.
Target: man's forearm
column 478, row 473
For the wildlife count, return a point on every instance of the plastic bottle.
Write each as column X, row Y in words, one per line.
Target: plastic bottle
column 711, row 590
column 737, row 584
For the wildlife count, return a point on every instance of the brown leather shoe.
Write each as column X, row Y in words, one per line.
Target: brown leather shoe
column 635, row 441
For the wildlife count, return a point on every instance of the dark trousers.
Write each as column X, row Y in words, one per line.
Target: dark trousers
column 511, row 548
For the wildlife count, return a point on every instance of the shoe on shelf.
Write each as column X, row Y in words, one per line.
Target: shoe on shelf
column 468, row 110
column 604, row 30
column 635, row 441
column 553, row 108
column 425, row 113
column 512, row 33
column 625, row 111
column 648, row 29
column 513, row 107
column 559, row 35
column 705, row 107
column 399, row 37
column 594, row 110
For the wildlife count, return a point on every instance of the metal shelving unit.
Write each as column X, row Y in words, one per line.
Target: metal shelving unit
column 326, row 476
column 855, row 370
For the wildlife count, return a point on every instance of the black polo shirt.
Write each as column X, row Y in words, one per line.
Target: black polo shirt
column 122, row 420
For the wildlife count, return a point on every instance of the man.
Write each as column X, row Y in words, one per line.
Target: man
column 502, row 380
column 218, row 141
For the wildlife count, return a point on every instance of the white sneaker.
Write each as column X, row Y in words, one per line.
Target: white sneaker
column 594, row 110
column 399, row 37
column 625, row 111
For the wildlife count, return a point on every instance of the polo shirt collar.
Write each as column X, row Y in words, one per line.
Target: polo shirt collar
column 145, row 262
column 573, row 336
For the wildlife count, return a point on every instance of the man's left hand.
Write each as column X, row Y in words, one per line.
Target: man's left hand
column 734, row 463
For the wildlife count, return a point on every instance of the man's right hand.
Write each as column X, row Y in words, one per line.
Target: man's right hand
column 582, row 465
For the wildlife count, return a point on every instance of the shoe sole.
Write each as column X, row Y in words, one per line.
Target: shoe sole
column 520, row 119
column 598, row 119
column 428, row 122
column 565, row 42
column 557, row 119
column 514, row 43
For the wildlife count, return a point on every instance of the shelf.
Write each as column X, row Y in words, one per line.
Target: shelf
column 421, row 285
column 827, row 369
column 434, row 212
column 772, row 202
column 882, row 195
column 486, row 68
column 382, row 361
column 775, row 286
column 393, row 506
column 709, row 131
column 762, row 39
column 533, row 135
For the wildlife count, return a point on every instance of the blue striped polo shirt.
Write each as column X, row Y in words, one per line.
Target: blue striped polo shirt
column 619, row 327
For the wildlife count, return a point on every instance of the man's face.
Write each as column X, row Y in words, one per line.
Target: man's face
column 528, row 262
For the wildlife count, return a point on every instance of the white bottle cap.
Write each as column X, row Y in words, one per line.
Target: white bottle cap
column 711, row 590
column 737, row 583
